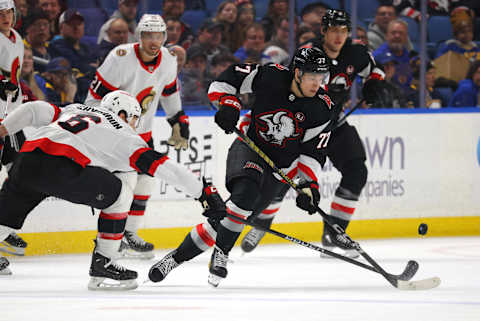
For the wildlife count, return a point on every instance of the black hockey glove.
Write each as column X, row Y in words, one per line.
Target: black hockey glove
column 228, row 113
column 8, row 88
column 376, row 94
column 308, row 197
column 180, row 131
column 338, row 94
column 212, row 203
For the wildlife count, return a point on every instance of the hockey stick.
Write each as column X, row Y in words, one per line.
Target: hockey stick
column 406, row 275
column 340, row 121
column 399, row 284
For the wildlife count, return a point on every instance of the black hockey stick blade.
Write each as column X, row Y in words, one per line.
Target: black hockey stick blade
column 409, row 272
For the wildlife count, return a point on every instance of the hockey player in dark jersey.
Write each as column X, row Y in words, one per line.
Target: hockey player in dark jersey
column 345, row 151
column 291, row 116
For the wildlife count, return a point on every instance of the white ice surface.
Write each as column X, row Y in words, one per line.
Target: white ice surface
column 276, row 282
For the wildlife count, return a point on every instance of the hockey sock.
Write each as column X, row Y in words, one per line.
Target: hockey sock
column 110, row 232
column 187, row 250
column 136, row 213
column 229, row 229
column 343, row 206
column 265, row 218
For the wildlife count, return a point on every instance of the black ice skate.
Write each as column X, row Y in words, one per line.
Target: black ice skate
column 4, row 270
column 160, row 270
column 106, row 269
column 334, row 242
column 133, row 246
column 217, row 266
column 254, row 236
column 13, row 244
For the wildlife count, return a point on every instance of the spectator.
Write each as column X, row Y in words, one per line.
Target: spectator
column 181, row 55
column 433, row 98
column 468, row 89
column 127, row 10
column 220, row 63
column 312, row 14
column 277, row 48
column 362, row 36
column 397, row 32
column 396, row 94
column 251, row 51
column 52, row 9
column 175, row 8
column 174, row 30
column 304, row 34
column 411, row 8
column 30, row 89
column 117, row 34
column 378, row 28
column 57, row 82
column 227, row 15
column 209, row 39
column 245, row 17
column 462, row 25
column 194, row 89
column 37, row 33
column 81, row 56
column 21, row 12
column 277, row 9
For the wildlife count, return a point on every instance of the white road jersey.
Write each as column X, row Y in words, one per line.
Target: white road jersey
column 11, row 60
column 150, row 84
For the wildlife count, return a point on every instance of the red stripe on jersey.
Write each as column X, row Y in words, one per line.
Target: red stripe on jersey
column 270, row 211
column 242, row 126
column 110, row 236
column 105, row 83
column 148, row 68
column 345, row 209
column 141, row 197
column 215, row 96
column 94, row 94
column 291, row 174
column 307, row 170
column 410, row 12
column 155, row 164
column 170, row 89
column 56, row 149
column 14, row 72
column 146, row 136
column 113, row 216
column 136, row 213
column 203, row 233
column 375, row 75
column 57, row 112
column 234, row 214
column 136, row 155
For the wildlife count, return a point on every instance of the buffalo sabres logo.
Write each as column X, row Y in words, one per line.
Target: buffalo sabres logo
column 279, row 126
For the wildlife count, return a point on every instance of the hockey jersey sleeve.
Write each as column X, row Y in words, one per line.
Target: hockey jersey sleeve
column 170, row 96
column 36, row 113
column 108, row 78
column 368, row 68
column 236, row 79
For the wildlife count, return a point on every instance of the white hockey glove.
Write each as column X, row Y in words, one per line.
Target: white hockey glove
column 180, row 131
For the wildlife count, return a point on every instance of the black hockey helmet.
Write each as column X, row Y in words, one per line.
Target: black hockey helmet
column 310, row 60
column 336, row 17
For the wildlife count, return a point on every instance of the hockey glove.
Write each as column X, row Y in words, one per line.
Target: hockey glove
column 376, row 94
column 212, row 203
column 308, row 197
column 180, row 131
column 228, row 113
column 8, row 88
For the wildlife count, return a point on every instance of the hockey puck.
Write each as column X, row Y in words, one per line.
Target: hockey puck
column 422, row 229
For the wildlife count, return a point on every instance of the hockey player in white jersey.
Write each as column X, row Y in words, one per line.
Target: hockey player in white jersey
column 89, row 155
column 11, row 59
column 148, row 71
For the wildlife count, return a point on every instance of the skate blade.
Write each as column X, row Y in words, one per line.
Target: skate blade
column 105, row 284
column 351, row 254
column 131, row 254
column 214, row 280
column 14, row 250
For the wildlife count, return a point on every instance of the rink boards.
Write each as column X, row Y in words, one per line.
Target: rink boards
column 423, row 167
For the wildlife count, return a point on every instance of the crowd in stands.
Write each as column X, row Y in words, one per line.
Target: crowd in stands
column 60, row 60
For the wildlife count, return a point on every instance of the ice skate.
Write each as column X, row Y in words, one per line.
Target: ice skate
column 4, row 270
column 14, row 245
column 160, row 270
column 217, row 267
column 107, row 275
column 251, row 240
column 133, row 246
column 331, row 241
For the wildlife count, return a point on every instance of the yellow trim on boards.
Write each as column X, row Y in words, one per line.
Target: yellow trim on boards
column 164, row 238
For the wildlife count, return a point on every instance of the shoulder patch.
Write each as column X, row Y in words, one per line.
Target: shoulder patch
column 121, row 52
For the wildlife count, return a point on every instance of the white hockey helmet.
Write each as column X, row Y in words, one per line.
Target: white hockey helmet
column 121, row 101
column 151, row 23
column 9, row 4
